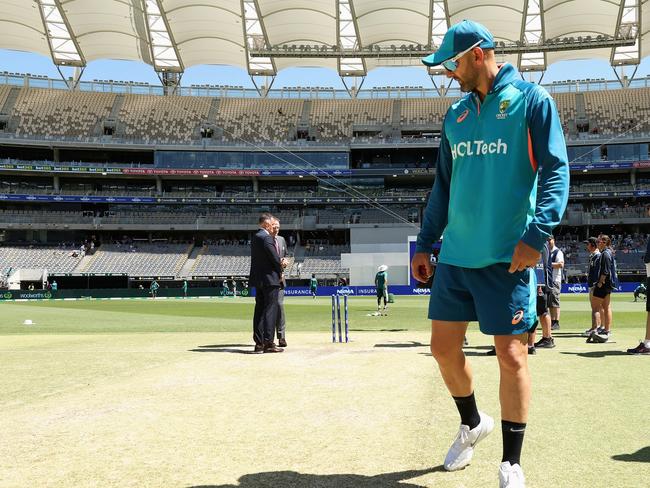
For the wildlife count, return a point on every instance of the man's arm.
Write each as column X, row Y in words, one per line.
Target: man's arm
column 435, row 214
column 605, row 267
column 272, row 253
column 549, row 150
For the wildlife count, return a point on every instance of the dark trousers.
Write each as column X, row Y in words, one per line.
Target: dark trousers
column 281, row 320
column 266, row 313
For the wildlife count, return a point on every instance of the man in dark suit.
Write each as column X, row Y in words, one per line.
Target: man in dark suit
column 265, row 273
column 282, row 248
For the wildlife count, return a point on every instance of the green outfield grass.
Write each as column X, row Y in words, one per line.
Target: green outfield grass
column 234, row 314
column 164, row 393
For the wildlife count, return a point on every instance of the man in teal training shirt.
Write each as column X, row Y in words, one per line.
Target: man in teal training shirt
column 497, row 143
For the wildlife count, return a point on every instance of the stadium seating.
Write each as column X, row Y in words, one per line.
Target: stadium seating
column 154, row 119
column 172, row 119
column 52, row 114
column 215, row 260
column 139, row 259
column 54, row 259
column 323, row 266
column 44, row 217
column 163, row 218
column 617, row 111
column 566, row 107
column 428, row 111
column 333, row 120
column 249, row 120
column 4, row 92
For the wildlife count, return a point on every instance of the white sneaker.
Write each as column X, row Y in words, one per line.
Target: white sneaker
column 461, row 451
column 511, row 476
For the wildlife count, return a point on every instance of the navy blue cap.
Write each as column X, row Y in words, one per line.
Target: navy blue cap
column 459, row 37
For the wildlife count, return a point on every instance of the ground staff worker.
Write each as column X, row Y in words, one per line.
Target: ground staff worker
column 496, row 143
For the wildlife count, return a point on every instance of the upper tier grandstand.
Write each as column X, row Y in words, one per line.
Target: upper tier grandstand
column 107, row 112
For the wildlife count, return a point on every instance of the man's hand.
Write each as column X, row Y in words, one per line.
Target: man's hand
column 523, row 257
column 421, row 268
column 284, row 262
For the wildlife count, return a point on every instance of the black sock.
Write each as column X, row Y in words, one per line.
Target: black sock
column 467, row 409
column 513, row 438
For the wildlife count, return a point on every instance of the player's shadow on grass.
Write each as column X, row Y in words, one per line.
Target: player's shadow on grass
column 403, row 344
column 596, row 354
column 301, row 480
column 482, row 351
column 231, row 348
column 641, row 456
column 378, row 330
column 568, row 335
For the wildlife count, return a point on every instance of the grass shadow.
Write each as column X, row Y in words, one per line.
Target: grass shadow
column 378, row 330
column 403, row 344
column 641, row 456
column 568, row 335
column 596, row 354
column 302, row 480
column 230, row 348
column 468, row 354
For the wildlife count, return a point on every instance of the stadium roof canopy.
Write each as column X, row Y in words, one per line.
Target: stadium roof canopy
column 350, row 36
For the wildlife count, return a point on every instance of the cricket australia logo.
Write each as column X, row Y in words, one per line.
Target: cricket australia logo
column 503, row 106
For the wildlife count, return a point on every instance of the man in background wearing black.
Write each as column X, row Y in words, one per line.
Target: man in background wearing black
column 265, row 273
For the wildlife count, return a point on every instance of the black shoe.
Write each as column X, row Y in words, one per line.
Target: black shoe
column 259, row 349
column 640, row 349
column 282, row 342
column 545, row 343
column 271, row 347
column 555, row 326
column 531, row 350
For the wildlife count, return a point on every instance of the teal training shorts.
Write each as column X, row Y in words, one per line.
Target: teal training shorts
column 501, row 302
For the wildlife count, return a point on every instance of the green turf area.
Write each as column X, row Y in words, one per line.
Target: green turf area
column 234, row 314
column 164, row 393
